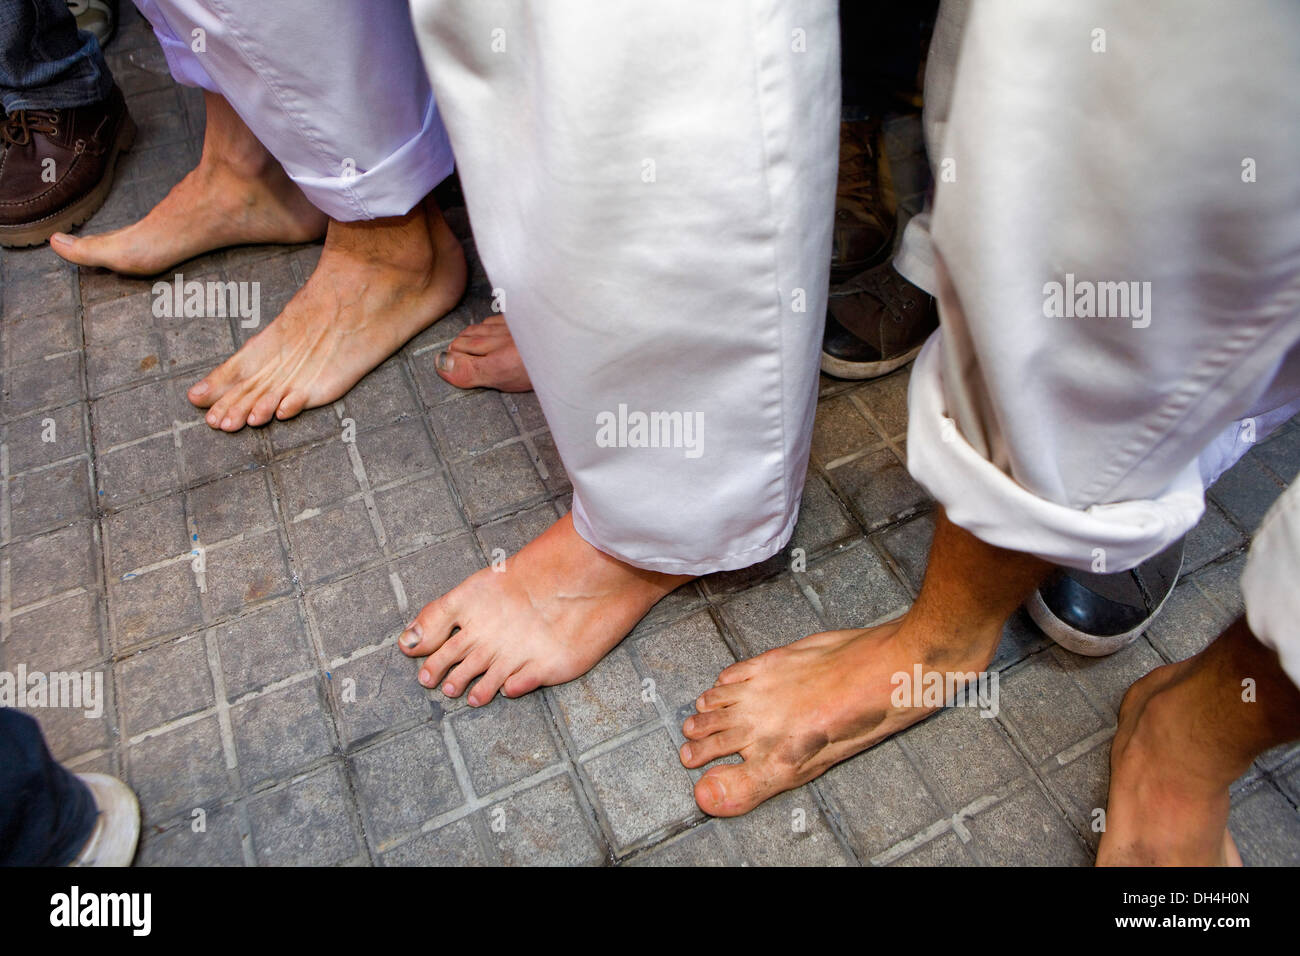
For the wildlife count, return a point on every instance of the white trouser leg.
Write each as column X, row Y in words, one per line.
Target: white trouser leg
column 1269, row 584
column 334, row 90
column 651, row 188
column 1067, row 436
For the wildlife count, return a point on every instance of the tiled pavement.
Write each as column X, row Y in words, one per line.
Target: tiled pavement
column 256, row 701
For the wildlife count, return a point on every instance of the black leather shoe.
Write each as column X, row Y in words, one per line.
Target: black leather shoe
column 1097, row 614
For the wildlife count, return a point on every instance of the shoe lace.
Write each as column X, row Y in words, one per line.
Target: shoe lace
column 891, row 290
column 21, row 124
column 859, row 176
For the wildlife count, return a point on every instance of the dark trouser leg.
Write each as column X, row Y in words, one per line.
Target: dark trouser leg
column 45, row 63
column 46, row 813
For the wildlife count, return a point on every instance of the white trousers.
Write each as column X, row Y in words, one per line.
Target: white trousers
column 1160, row 151
column 335, row 90
column 651, row 187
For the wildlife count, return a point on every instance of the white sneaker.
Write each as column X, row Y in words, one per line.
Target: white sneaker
column 117, row 828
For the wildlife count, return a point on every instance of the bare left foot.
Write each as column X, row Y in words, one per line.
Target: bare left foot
column 554, row 610
column 377, row 284
column 796, row 711
column 1160, row 812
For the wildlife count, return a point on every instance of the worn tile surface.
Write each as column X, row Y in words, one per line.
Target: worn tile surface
column 240, row 596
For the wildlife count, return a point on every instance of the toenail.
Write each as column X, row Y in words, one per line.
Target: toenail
column 449, row 689
column 200, row 389
column 686, row 751
column 689, row 726
column 227, row 422
column 445, row 362
column 716, row 790
column 61, row 237
column 412, row 635
column 426, row 678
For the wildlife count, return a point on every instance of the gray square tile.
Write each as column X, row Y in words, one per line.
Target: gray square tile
column 880, row 797
column 855, row 589
column 179, row 771
column 163, row 683
column 1026, row 830
column 771, row 615
column 606, row 701
column 280, row 732
column 643, row 789
column 404, row 781
column 262, row 648
column 545, row 825
column 497, row 481
column 356, row 612
column 504, row 742
column 453, row 845
column 304, row 824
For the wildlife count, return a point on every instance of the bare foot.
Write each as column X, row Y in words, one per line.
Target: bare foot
column 1160, row 812
column 237, row 195
column 796, row 711
column 484, row 356
column 554, row 610
column 376, row 285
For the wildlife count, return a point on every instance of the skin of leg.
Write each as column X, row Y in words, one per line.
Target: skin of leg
column 378, row 283
column 484, row 356
column 237, row 195
column 797, row 710
column 546, row 617
column 1186, row 731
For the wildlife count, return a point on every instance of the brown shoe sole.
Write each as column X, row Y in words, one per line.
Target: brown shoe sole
column 35, row 233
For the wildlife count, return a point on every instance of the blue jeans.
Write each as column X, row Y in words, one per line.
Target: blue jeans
column 46, row 814
column 45, row 62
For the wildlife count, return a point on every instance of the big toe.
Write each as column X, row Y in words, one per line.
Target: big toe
column 729, row 791
column 85, row 250
column 501, row 369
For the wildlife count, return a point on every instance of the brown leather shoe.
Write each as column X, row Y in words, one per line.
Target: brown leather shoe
column 876, row 322
column 56, row 167
column 865, row 209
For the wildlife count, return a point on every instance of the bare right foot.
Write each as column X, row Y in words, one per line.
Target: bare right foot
column 237, row 195
column 484, row 356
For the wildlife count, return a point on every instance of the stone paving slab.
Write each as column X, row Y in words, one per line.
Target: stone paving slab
column 255, row 699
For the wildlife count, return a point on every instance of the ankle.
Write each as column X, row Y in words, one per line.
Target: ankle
column 402, row 243
column 1165, row 745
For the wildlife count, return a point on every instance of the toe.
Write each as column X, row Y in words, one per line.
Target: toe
column 266, row 405
column 431, row 627
column 475, row 663
column 716, row 698
column 291, row 405
column 522, row 681
column 483, row 692
column 458, row 368
column 83, row 250
column 699, row 726
column 453, row 651
column 729, row 791
column 740, row 671
column 696, row 753
column 210, row 389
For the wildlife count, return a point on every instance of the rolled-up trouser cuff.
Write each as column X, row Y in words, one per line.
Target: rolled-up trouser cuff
column 392, row 188
column 1269, row 582
column 990, row 504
